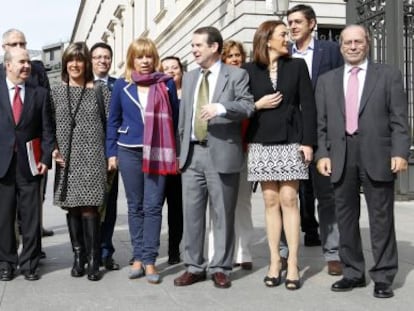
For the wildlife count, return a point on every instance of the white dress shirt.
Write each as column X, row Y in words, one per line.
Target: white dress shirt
column 361, row 77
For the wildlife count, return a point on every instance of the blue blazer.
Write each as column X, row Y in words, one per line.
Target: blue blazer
column 125, row 124
column 326, row 56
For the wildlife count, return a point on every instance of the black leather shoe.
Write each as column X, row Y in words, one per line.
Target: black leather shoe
column 110, row 264
column 31, row 275
column 345, row 284
column 382, row 290
column 42, row 255
column 46, row 233
column 6, row 274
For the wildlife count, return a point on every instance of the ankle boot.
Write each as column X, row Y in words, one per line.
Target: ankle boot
column 92, row 238
column 78, row 247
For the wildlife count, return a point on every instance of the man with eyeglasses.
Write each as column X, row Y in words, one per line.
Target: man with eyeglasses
column 101, row 65
column 15, row 39
column 363, row 140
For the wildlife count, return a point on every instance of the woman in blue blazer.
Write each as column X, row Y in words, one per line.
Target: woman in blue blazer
column 141, row 140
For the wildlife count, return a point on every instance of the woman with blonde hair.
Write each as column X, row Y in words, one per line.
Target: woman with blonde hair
column 141, row 140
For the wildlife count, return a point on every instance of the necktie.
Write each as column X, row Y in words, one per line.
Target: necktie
column 200, row 126
column 17, row 104
column 351, row 102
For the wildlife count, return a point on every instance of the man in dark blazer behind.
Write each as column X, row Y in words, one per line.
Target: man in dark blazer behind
column 366, row 148
column 211, row 159
column 20, row 122
column 101, row 65
column 320, row 56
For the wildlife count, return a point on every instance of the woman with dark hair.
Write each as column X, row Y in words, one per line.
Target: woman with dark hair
column 141, row 138
column 281, row 137
column 172, row 66
column 80, row 156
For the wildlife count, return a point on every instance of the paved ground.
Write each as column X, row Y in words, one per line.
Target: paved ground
column 58, row 291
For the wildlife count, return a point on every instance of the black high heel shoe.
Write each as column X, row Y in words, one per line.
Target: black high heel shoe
column 273, row 281
column 293, row 284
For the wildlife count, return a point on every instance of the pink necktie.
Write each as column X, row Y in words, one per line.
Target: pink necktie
column 351, row 102
column 17, row 104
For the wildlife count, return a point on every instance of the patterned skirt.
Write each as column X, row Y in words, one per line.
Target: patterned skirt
column 275, row 162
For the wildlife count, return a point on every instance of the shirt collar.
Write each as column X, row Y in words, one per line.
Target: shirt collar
column 362, row 66
column 11, row 85
column 310, row 47
column 104, row 79
column 214, row 69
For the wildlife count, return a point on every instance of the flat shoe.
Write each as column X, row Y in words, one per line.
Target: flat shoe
column 136, row 273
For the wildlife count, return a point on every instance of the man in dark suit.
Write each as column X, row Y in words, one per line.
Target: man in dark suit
column 363, row 140
column 215, row 99
column 320, row 56
column 101, row 65
column 24, row 116
column 14, row 38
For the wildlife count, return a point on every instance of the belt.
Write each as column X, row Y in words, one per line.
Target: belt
column 199, row 142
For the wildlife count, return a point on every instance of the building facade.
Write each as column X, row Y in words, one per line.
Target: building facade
column 170, row 23
column 52, row 59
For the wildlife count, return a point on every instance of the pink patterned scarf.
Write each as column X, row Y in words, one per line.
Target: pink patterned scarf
column 159, row 154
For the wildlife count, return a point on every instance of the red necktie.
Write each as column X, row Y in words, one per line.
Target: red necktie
column 17, row 104
column 351, row 101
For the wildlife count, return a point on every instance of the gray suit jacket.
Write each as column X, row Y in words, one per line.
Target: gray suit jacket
column 224, row 133
column 382, row 126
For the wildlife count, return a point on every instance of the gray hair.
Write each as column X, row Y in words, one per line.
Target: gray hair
column 7, row 34
column 365, row 29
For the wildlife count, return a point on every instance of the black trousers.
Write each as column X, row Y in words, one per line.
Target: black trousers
column 173, row 195
column 19, row 195
column 308, row 220
column 379, row 197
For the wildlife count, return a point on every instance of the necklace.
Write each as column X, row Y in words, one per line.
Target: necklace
column 273, row 74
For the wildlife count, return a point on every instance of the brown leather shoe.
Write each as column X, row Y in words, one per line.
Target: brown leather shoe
column 188, row 278
column 334, row 267
column 221, row 280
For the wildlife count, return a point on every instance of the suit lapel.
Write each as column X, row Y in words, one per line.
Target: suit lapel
column 316, row 60
column 338, row 88
column 221, row 83
column 27, row 103
column 131, row 91
column 369, row 85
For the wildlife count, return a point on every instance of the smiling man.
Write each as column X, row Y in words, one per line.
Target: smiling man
column 363, row 140
column 215, row 99
column 101, row 65
column 24, row 116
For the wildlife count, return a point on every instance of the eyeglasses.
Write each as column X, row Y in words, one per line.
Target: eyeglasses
column 14, row 44
column 356, row 43
column 103, row 57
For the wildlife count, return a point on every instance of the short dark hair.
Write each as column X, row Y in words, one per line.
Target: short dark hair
column 262, row 35
column 80, row 51
column 306, row 10
column 101, row 45
column 213, row 35
column 177, row 59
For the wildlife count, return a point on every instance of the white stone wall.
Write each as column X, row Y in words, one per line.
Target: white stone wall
column 171, row 27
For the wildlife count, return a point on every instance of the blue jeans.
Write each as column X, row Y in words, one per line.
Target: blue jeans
column 145, row 196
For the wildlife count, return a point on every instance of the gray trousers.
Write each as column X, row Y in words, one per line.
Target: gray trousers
column 202, row 184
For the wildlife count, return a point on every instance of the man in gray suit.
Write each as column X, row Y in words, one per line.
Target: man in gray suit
column 215, row 99
column 363, row 141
